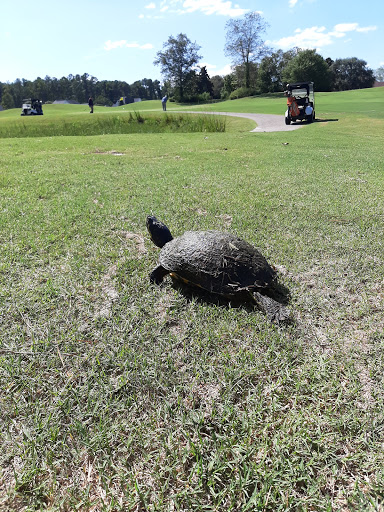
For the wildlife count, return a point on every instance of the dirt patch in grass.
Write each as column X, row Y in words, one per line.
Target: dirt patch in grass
column 138, row 242
column 175, row 324
column 227, row 219
column 108, row 292
column 342, row 313
column 163, row 306
column 203, row 396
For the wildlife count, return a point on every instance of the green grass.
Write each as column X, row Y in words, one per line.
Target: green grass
column 107, row 122
column 367, row 101
column 119, row 395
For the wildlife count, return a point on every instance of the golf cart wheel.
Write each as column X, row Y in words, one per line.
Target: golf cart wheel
column 287, row 120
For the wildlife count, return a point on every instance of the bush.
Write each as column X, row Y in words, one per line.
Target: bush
column 242, row 92
column 224, row 95
column 204, row 97
column 103, row 101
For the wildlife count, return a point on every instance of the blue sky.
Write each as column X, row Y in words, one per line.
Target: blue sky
column 118, row 40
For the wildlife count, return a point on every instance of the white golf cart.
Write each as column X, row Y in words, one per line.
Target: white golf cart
column 32, row 107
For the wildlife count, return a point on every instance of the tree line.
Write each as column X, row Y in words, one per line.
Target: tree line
column 256, row 69
column 77, row 88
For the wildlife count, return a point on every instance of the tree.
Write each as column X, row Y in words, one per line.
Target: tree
column 308, row 66
column 157, row 90
column 39, row 89
column 379, row 74
column 351, row 74
column 7, row 100
column 204, row 83
column 77, row 89
column 241, row 73
column 190, row 86
column 138, row 90
column 217, row 84
column 103, row 101
column 244, row 43
column 271, row 68
column 177, row 59
column 229, row 85
column 65, row 92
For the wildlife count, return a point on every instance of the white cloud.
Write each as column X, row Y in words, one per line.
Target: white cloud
column 226, row 70
column 146, row 46
column 317, row 37
column 366, row 29
column 351, row 27
column 208, row 7
column 151, row 6
column 212, row 69
column 313, row 37
column 345, row 27
column 111, row 45
column 292, row 3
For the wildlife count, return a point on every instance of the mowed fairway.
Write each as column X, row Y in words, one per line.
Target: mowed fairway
column 120, row 395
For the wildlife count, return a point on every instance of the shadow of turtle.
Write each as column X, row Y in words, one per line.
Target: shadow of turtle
column 276, row 291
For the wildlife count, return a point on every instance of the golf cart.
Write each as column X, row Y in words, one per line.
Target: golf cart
column 301, row 102
column 32, row 107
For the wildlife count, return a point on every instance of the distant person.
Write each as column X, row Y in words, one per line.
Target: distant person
column 164, row 102
column 90, row 103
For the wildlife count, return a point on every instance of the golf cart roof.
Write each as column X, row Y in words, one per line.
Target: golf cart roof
column 300, row 85
column 301, row 90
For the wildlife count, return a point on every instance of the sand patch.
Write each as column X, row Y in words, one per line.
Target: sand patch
column 109, row 293
column 138, row 242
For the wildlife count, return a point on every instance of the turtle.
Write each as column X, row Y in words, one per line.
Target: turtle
column 219, row 263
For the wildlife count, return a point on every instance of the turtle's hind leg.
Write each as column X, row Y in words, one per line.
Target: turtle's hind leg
column 275, row 311
column 158, row 274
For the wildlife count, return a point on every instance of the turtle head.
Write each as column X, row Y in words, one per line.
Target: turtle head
column 160, row 234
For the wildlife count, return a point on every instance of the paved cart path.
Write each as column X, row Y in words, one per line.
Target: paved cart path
column 265, row 122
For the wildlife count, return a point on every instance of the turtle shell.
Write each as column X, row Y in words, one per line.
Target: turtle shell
column 216, row 261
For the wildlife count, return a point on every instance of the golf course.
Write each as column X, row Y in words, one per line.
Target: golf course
column 121, row 395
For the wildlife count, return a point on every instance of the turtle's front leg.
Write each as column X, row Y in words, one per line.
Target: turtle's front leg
column 158, row 274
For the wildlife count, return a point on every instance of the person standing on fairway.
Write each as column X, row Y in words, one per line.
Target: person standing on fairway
column 90, row 103
column 164, row 102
